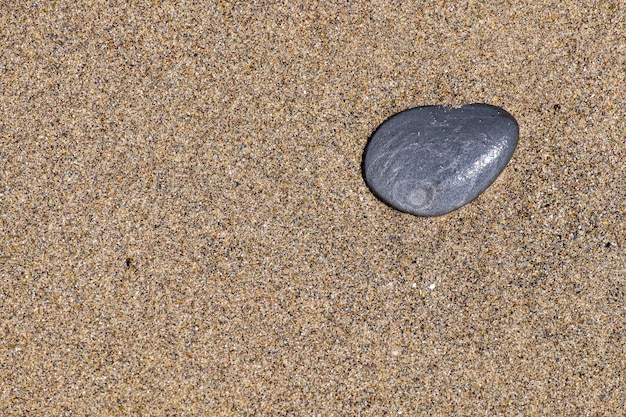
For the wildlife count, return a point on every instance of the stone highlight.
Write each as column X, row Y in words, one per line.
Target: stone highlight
column 431, row 160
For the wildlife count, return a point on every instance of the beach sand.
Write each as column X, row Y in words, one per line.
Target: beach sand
column 185, row 230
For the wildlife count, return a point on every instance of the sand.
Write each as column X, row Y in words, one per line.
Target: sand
column 185, row 230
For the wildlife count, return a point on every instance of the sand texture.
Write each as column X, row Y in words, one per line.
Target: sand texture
column 185, row 231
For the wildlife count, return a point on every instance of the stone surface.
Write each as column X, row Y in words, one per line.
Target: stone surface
column 431, row 160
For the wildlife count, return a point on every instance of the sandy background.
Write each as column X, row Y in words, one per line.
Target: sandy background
column 184, row 229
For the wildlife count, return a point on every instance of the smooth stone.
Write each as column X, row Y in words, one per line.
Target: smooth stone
column 431, row 160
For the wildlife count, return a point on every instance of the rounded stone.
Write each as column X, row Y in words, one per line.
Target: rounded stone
column 431, row 160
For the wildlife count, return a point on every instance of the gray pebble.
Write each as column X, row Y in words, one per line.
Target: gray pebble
column 431, row 160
